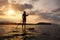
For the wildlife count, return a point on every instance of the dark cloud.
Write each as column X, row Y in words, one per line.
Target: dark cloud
column 22, row 7
column 58, row 1
column 51, row 16
column 34, row 12
column 3, row 2
column 54, row 17
column 56, row 10
column 27, row 6
column 46, row 15
column 34, row 0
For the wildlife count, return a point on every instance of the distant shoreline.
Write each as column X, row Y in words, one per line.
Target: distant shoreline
column 25, row 24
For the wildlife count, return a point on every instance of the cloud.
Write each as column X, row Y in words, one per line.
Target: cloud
column 34, row 12
column 56, row 10
column 56, row 18
column 34, row 0
column 22, row 7
column 3, row 2
column 1, row 13
column 52, row 17
column 4, row 20
column 46, row 6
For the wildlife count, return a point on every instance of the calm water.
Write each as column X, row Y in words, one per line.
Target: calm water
column 34, row 32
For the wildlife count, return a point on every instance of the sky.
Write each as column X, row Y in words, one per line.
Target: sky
column 38, row 10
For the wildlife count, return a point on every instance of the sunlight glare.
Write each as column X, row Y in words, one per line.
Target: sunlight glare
column 10, row 12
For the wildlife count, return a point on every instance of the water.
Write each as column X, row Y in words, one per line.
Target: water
column 34, row 32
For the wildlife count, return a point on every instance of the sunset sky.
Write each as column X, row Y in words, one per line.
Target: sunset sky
column 39, row 10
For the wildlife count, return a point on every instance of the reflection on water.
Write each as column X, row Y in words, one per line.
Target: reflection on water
column 33, row 32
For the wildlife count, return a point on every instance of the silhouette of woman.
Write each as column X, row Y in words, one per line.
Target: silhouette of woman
column 24, row 17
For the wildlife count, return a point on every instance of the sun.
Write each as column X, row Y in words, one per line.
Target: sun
column 10, row 12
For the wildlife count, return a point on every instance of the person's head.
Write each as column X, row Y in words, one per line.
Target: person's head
column 24, row 12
